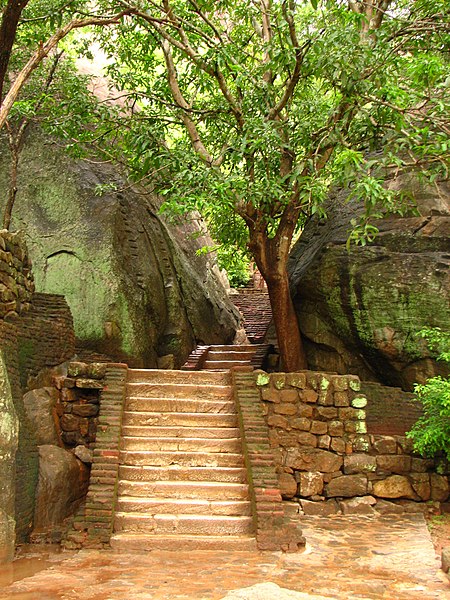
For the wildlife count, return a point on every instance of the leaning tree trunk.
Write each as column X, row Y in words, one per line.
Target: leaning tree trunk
column 271, row 258
column 292, row 353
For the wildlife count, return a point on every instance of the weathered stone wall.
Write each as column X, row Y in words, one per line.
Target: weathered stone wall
column 16, row 279
column 79, row 403
column 36, row 332
column 391, row 411
column 324, row 453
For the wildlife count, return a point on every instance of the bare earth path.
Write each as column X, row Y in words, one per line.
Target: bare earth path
column 346, row 558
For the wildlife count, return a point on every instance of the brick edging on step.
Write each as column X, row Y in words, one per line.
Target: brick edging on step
column 93, row 527
column 273, row 530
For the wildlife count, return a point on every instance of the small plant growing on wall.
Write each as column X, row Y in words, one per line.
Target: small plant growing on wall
column 431, row 433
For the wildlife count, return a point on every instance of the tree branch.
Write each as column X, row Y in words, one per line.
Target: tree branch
column 43, row 51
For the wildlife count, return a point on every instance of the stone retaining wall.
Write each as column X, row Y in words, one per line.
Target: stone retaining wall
column 324, row 454
column 36, row 332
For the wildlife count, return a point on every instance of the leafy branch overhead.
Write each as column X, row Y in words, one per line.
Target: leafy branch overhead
column 250, row 110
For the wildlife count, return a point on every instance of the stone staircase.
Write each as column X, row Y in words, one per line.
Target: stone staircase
column 221, row 358
column 182, row 481
column 255, row 307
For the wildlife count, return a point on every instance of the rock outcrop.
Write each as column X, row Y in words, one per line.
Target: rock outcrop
column 360, row 310
column 136, row 287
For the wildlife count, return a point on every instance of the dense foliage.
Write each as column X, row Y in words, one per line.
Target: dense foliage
column 249, row 110
column 431, row 433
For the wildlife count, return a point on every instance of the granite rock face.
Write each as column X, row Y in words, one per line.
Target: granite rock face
column 40, row 408
column 359, row 310
column 135, row 286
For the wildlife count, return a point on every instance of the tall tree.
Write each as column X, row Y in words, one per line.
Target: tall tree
column 263, row 104
column 8, row 29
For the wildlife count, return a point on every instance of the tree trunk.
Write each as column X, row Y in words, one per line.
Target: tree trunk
column 271, row 256
column 12, row 186
column 292, row 353
column 8, row 29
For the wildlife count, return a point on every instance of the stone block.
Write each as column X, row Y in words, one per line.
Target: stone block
column 278, row 421
column 394, row 463
column 305, row 410
column 322, row 509
column 69, row 422
column 297, row 380
column 440, row 489
column 347, row 486
column 309, row 396
column 270, row 395
column 77, row 369
column 341, row 399
column 421, row 485
column 98, row 370
column 278, row 380
column 307, row 439
column 362, row 505
column 395, row 486
column 90, row 384
column 340, row 383
column 85, row 410
column 336, row 428
column 421, row 465
column 285, row 408
column 319, row 427
column 300, row 423
column 288, row 485
column 359, row 463
column 338, row 445
column 326, row 412
column 359, row 402
column 385, row 445
column 289, row 395
column 361, row 443
column 313, row 459
column 324, row 442
column 310, row 483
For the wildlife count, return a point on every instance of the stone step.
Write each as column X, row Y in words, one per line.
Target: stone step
column 129, row 542
column 204, row 433
column 180, row 405
column 180, row 459
column 231, row 354
column 182, row 524
column 180, row 444
column 186, row 506
column 155, row 376
column 225, row 364
column 234, row 348
column 176, row 419
column 178, row 390
column 210, row 490
column 184, row 474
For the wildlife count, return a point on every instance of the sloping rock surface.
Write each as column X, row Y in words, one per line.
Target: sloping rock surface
column 360, row 310
column 136, row 287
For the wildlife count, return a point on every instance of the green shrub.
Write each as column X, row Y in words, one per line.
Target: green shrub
column 431, row 433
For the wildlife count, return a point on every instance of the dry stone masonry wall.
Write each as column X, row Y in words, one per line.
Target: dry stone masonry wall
column 325, row 456
column 36, row 332
column 16, row 279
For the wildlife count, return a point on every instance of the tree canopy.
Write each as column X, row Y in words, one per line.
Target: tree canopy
column 250, row 110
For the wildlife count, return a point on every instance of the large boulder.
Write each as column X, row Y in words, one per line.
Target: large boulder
column 40, row 406
column 360, row 310
column 62, row 484
column 135, row 285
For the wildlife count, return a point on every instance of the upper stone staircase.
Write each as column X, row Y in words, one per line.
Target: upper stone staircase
column 182, row 480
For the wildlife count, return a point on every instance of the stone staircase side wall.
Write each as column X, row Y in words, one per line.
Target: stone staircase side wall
column 36, row 332
column 324, row 454
column 273, row 530
column 196, row 359
column 93, row 527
